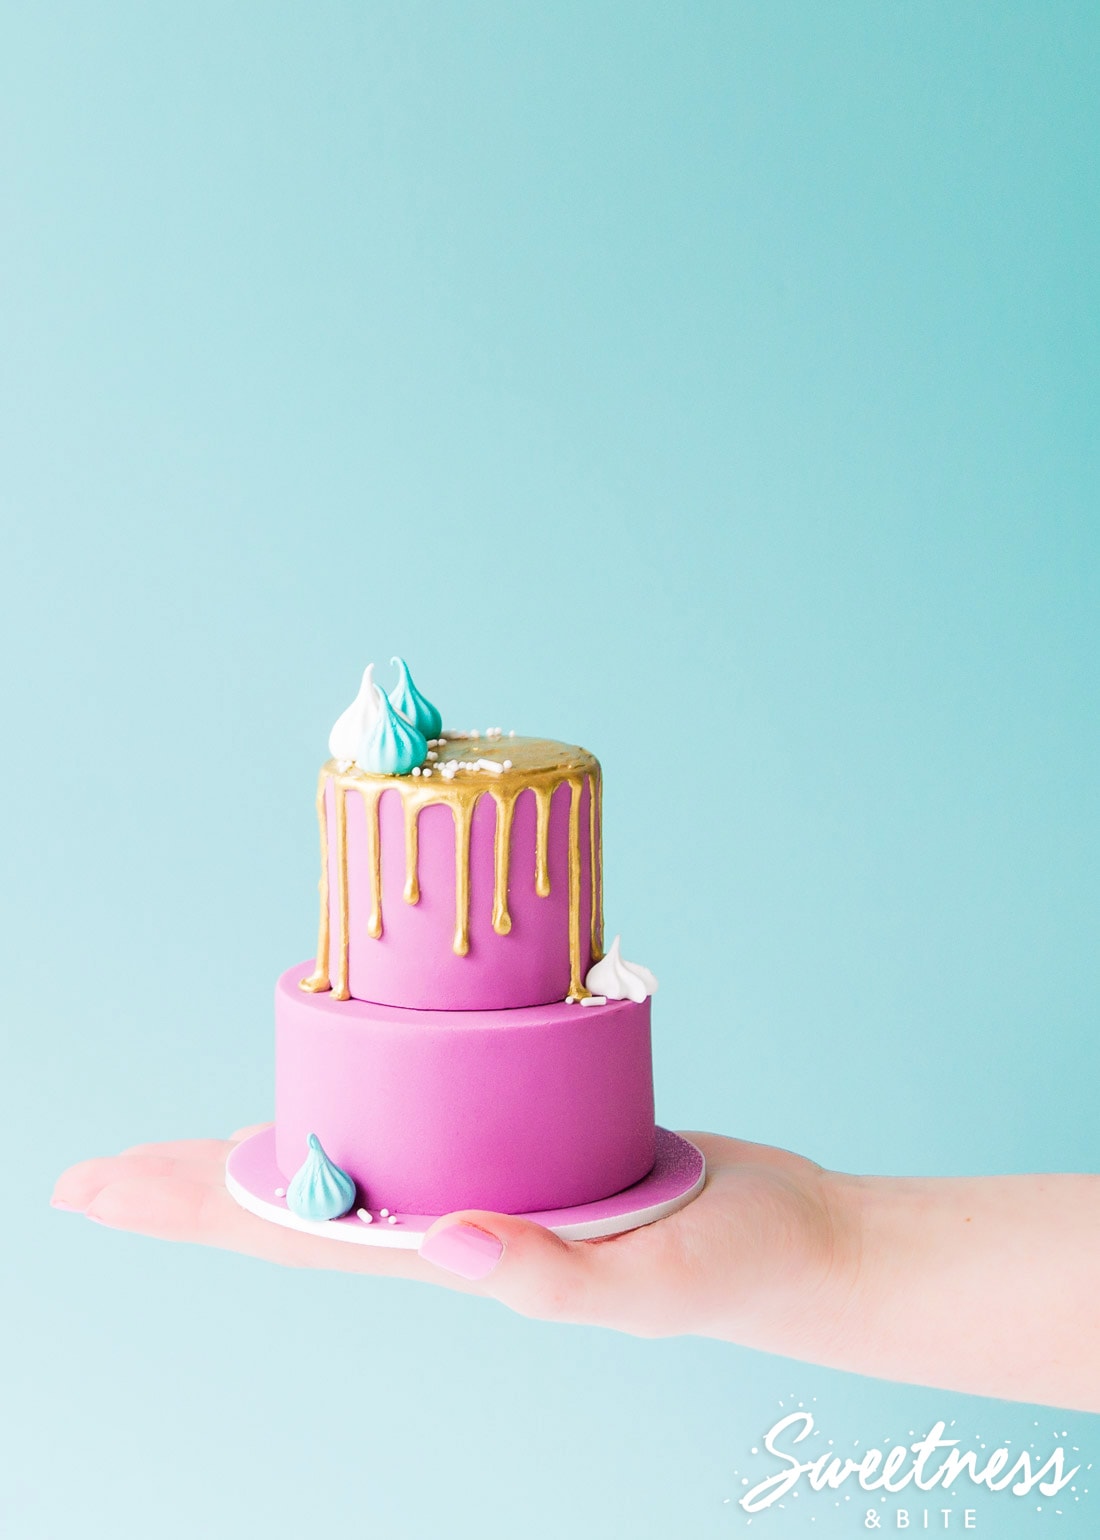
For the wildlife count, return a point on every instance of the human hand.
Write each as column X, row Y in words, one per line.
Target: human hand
column 940, row 1281
column 762, row 1256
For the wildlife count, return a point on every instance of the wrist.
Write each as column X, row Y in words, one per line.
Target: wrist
column 844, row 1289
column 886, row 1306
column 807, row 1304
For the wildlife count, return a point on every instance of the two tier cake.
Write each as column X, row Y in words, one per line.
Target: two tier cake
column 460, row 1039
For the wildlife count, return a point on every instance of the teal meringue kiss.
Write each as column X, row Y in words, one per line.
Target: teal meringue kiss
column 394, row 746
column 413, row 706
column 319, row 1189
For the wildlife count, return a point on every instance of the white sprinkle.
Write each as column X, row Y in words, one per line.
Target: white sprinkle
column 432, row 754
column 490, row 764
column 392, row 1220
column 385, row 1213
column 416, row 769
column 475, row 733
column 570, row 999
column 365, row 1216
column 280, row 1192
column 594, row 1000
column 507, row 764
column 427, row 774
column 511, row 732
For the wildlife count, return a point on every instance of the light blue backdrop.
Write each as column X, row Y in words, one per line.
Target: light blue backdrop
column 707, row 384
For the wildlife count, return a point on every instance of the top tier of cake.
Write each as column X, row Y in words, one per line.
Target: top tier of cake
column 474, row 883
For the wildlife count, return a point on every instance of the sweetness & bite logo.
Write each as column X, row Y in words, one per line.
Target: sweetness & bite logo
column 932, row 1481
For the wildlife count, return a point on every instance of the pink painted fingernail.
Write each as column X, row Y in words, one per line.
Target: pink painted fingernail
column 463, row 1249
column 66, row 1208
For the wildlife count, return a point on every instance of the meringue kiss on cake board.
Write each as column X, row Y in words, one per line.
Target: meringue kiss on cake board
column 461, row 1039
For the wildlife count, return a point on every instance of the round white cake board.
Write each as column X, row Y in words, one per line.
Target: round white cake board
column 678, row 1175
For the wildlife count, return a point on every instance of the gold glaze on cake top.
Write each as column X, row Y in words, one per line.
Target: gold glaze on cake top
column 525, row 764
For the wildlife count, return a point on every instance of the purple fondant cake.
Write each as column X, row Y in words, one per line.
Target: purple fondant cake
column 460, row 1039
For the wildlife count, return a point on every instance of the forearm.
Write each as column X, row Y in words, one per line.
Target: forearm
column 986, row 1285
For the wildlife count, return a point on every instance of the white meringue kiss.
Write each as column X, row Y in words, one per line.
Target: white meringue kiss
column 618, row 979
column 353, row 725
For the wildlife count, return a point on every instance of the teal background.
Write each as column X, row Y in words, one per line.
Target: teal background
column 713, row 385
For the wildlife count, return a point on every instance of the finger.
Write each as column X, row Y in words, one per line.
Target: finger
column 77, row 1187
column 207, row 1151
column 523, row 1265
column 179, row 1207
column 246, row 1133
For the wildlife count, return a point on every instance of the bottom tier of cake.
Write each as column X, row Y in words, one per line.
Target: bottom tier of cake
column 432, row 1111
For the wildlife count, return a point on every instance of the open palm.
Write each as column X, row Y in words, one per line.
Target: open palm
column 757, row 1250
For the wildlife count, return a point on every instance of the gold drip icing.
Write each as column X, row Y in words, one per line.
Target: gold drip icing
column 318, row 979
column 542, row 838
column 576, row 983
column 502, row 852
column 595, row 860
column 370, row 795
column 412, row 853
column 463, row 811
column 534, row 765
column 340, row 989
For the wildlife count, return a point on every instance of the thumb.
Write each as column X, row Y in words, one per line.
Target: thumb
column 525, row 1266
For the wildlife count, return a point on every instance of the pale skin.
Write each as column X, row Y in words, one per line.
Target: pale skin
column 988, row 1285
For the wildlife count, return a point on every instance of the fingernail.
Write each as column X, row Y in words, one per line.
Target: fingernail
column 463, row 1249
column 96, row 1219
column 66, row 1208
